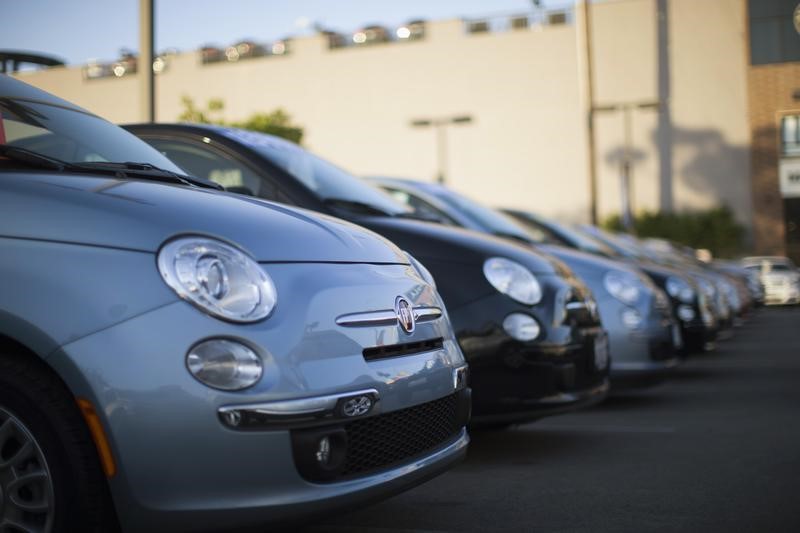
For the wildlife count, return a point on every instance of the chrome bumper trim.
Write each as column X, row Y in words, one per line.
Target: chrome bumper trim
column 300, row 406
column 386, row 317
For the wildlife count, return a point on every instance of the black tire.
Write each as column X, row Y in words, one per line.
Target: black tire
column 37, row 411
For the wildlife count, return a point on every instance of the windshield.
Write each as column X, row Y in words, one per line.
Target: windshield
column 615, row 243
column 587, row 243
column 326, row 180
column 422, row 208
column 490, row 220
column 72, row 136
column 772, row 265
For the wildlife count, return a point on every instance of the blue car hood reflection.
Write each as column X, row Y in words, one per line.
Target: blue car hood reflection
column 141, row 215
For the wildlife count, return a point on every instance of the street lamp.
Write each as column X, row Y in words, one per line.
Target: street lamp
column 441, row 123
column 626, row 160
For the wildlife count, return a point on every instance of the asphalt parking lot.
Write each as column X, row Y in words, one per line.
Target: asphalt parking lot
column 717, row 448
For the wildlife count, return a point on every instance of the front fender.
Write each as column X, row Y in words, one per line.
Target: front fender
column 54, row 293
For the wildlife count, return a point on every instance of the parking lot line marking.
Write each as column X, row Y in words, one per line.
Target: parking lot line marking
column 604, row 428
column 349, row 528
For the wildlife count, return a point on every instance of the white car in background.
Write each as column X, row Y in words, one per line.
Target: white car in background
column 780, row 277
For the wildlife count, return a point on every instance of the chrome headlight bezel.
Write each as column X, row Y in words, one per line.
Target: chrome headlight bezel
column 680, row 289
column 218, row 278
column 513, row 280
column 623, row 286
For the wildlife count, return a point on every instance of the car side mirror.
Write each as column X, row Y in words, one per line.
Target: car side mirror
column 240, row 189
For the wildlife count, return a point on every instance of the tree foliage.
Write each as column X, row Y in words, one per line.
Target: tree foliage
column 277, row 122
column 714, row 229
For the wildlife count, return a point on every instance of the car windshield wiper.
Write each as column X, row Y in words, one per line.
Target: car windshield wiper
column 356, row 206
column 121, row 170
column 131, row 169
column 415, row 215
column 31, row 158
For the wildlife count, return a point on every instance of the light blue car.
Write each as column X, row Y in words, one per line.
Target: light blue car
column 174, row 357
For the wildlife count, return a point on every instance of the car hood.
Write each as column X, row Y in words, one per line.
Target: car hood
column 584, row 262
column 592, row 268
column 430, row 240
column 141, row 215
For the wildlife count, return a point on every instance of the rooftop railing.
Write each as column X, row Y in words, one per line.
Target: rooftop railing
column 414, row 30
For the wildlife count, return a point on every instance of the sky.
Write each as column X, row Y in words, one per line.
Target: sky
column 78, row 30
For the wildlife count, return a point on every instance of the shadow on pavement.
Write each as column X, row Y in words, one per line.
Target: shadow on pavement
column 525, row 445
column 633, row 399
column 690, row 374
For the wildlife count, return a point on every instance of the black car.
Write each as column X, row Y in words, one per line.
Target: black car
column 691, row 307
column 528, row 328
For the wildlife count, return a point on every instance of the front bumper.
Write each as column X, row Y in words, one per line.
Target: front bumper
column 631, row 375
column 782, row 295
column 643, row 355
column 181, row 467
column 517, row 410
column 515, row 381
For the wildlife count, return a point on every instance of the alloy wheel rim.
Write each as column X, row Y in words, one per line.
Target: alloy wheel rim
column 26, row 486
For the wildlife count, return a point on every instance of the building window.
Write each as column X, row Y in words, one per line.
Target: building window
column 773, row 37
column 790, row 135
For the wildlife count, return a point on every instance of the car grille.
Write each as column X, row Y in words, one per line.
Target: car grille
column 398, row 350
column 380, row 441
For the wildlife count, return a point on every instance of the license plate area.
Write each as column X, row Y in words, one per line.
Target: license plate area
column 601, row 352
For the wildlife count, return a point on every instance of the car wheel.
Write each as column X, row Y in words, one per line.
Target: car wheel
column 50, row 476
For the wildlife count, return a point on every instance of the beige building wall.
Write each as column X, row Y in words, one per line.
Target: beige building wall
column 624, row 44
column 707, row 91
column 711, row 134
column 526, row 145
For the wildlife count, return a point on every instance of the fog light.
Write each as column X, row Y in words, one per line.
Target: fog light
column 319, row 454
column 631, row 318
column 686, row 313
column 233, row 418
column 324, row 451
column 224, row 364
column 521, row 327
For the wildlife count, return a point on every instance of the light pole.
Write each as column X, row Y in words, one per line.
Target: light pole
column 590, row 108
column 441, row 123
column 145, row 66
column 626, row 160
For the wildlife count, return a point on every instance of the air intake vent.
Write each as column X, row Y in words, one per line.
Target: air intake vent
column 399, row 350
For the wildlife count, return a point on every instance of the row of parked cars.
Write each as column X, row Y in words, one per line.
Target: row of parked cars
column 205, row 328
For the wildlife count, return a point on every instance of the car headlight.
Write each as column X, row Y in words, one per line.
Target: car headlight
column 622, row 286
column 679, row 288
column 513, row 279
column 423, row 272
column 217, row 278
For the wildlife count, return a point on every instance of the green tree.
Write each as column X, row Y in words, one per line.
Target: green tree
column 191, row 113
column 715, row 229
column 277, row 122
